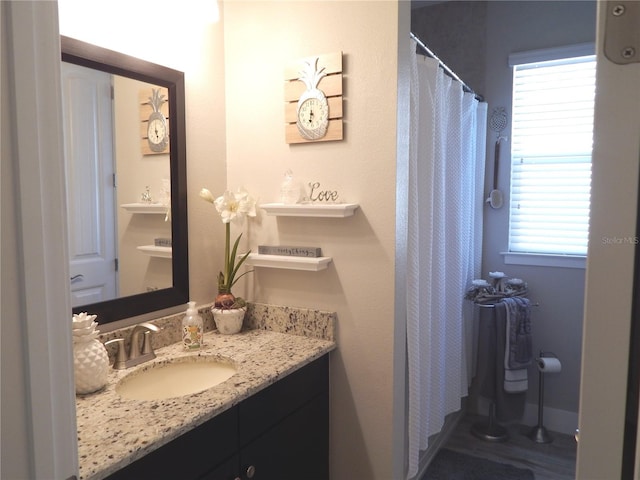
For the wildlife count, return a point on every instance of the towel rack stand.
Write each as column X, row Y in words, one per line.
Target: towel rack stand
column 490, row 430
column 492, row 305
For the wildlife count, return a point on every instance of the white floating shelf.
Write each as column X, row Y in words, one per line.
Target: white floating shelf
column 312, row 264
column 145, row 208
column 153, row 251
column 336, row 210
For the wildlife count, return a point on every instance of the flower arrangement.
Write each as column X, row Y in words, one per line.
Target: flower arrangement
column 232, row 208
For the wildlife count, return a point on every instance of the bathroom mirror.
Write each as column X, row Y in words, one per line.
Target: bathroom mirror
column 128, row 249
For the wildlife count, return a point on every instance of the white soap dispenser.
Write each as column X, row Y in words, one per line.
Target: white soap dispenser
column 192, row 328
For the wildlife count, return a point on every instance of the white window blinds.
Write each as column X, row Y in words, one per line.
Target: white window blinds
column 552, row 137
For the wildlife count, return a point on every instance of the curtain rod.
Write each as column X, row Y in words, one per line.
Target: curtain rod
column 444, row 66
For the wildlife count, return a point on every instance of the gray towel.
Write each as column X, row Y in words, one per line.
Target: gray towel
column 519, row 349
column 490, row 372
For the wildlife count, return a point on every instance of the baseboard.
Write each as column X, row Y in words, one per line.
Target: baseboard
column 554, row 419
column 562, row 421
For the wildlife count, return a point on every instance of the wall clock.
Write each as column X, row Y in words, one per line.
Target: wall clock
column 154, row 121
column 312, row 113
column 313, row 99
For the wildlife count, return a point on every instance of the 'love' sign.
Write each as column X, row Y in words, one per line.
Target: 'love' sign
column 318, row 195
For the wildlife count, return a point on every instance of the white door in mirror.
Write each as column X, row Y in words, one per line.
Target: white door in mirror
column 86, row 95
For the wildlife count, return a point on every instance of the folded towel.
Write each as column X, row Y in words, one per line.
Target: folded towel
column 516, row 381
column 509, row 404
column 518, row 348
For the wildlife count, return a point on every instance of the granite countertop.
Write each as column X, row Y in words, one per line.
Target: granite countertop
column 114, row 431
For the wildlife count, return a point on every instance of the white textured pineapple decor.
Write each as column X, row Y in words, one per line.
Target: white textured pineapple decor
column 313, row 99
column 90, row 358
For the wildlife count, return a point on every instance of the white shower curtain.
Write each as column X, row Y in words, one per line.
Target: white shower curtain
column 446, row 177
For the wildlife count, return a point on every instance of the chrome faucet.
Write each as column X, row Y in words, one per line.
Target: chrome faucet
column 136, row 356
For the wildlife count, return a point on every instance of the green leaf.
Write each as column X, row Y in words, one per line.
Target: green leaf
column 231, row 264
column 240, row 262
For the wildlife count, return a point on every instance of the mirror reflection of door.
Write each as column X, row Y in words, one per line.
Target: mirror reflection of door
column 115, row 250
column 90, row 169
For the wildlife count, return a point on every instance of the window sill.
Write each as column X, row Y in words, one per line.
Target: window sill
column 544, row 260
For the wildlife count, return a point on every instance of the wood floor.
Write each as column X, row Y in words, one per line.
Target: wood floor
column 548, row 461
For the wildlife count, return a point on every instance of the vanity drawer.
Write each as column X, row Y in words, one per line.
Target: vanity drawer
column 296, row 448
column 189, row 456
column 270, row 406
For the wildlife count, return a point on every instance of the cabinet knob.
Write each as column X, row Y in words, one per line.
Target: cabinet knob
column 251, row 471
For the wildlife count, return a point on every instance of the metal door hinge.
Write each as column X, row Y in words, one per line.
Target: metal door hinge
column 622, row 32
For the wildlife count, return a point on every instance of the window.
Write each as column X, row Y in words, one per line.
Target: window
column 552, row 138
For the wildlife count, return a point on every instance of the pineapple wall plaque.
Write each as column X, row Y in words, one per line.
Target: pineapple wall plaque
column 313, row 96
column 154, row 120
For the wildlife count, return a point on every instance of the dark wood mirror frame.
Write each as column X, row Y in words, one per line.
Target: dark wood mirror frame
column 98, row 58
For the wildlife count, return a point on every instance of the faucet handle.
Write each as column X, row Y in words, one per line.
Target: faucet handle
column 121, row 358
column 134, row 348
column 147, row 348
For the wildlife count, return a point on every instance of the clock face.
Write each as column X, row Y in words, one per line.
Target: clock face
column 157, row 133
column 313, row 118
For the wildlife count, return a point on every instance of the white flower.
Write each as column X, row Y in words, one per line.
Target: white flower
column 497, row 274
column 515, row 281
column 480, row 283
column 233, row 207
column 207, row 195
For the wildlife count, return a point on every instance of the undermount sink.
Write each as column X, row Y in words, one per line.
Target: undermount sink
column 180, row 376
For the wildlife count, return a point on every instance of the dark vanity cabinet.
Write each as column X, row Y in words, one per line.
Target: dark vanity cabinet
column 280, row 433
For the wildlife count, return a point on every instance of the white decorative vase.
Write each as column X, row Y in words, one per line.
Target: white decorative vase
column 228, row 321
column 90, row 358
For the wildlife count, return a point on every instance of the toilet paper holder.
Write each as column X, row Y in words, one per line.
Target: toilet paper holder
column 547, row 362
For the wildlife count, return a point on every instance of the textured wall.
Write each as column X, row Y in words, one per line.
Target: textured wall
column 261, row 38
column 455, row 32
column 513, row 27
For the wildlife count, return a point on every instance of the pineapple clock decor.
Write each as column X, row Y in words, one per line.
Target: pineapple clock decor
column 154, row 112
column 312, row 113
column 313, row 96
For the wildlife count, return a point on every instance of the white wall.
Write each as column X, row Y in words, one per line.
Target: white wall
column 261, row 38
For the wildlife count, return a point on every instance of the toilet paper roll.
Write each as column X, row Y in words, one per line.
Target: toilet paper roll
column 549, row 365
